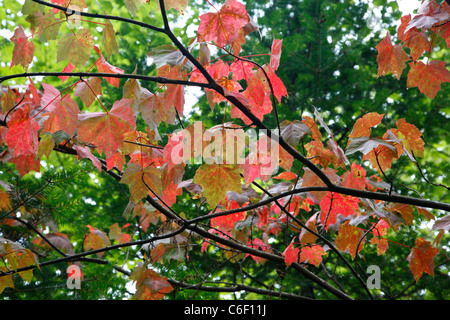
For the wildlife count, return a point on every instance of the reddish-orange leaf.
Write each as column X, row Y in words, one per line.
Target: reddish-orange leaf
column 382, row 245
column 275, row 54
column 391, row 58
column 414, row 39
column 428, row 77
column 333, row 204
column 142, row 181
column 356, row 178
column 226, row 223
column 312, row 254
column 362, row 126
column 23, row 51
column 22, row 134
column 312, row 125
column 223, row 26
column 349, row 239
column 104, row 66
column 62, row 112
column 106, row 130
column 179, row 5
column 85, row 152
column 68, row 69
column 287, row 175
column 170, row 194
column 291, row 254
column 116, row 160
column 25, row 164
column 310, row 179
column 307, row 237
column 421, row 258
column 96, row 239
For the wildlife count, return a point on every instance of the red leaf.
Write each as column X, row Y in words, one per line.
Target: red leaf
column 62, row 113
column 85, row 152
column 69, row 68
column 25, row 164
column 291, row 254
column 223, row 26
column 23, row 51
column 421, row 258
column 22, row 134
column 106, row 130
column 334, row 204
column 104, row 66
column 356, row 178
column 390, row 58
column 428, row 77
column 275, row 54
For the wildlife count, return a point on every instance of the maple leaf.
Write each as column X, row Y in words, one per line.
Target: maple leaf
column 362, row 126
column 75, row 48
column 109, row 39
column 421, row 258
column 223, row 26
column 390, row 57
column 334, row 204
column 291, row 254
column 174, row 94
column 25, row 164
column 429, row 14
column 216, row 180
column 154, row 110
column 275, row 54
column 89, row 90
column 85, row 152
column 96, row 239
column 139, row 180
column 22, row 135
column 115, row 233
column 170, row 194
column 179, row 5
column 349, row 239
column 414, row 39
column 356, row 178
column 227, row 222
column 410, row 137
column 23, row 51
column 69, row 68
column 313, row 128
column 104, row 66
column 46, row 26
column 382, row 245
column 310, row 179
column 106, row 130
column 427, row 77
column 133, row 6
column 312, row 254
column 62, row 112
column 293, row 131
column 307, row 237
column 57, row 239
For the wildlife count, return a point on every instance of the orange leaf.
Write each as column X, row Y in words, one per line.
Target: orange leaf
column 427, row 77
column 349, row 238
column 104, row 66
column 312, row 254
column 421, row 258
column 390, row 58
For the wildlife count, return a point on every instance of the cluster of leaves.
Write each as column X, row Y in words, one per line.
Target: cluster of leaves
column 326, row 196
column 420, row 35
